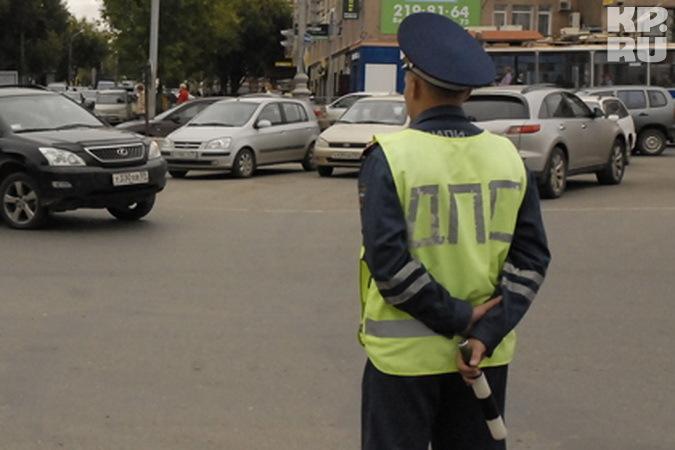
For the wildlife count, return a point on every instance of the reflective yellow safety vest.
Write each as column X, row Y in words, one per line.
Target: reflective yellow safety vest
column 460, row 197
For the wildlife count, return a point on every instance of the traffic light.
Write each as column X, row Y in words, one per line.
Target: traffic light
column 289, row 35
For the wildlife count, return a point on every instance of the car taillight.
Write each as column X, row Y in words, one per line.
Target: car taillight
column 524, row 129
column 318, row 112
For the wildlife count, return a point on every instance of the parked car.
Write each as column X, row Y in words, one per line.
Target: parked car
column 57, row 86
column 342, row 144
column 56, row 156
column 243, row 134
column 555, row 132
column 105, row 85
column 75, row 96
column 115, row 106
column 614, row 109
column 330, row 113
column 653, row 111
column 170, row 120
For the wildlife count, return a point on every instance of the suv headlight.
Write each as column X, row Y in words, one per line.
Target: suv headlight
column 218, row 143
column 321, row 142
column 153, row 150
column 166, row 145
column 61, row 158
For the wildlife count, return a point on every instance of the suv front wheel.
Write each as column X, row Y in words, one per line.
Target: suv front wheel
column 21, row 200
column 651, row 142
column 133, row 211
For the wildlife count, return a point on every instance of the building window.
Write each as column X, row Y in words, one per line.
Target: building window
column 499, row 16
column 544, row 20
column 522, row 15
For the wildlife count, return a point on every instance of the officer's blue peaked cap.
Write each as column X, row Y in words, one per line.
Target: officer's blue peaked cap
column 443, row 53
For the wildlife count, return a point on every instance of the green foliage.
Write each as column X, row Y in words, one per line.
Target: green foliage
column 200, row 38
column 35, row 36
column 31, row 36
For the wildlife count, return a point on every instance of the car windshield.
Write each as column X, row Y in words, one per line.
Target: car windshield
column 168, row 112
column 228, row 114
column 44, row 112
column 110, row 98
column 381, row 112
column 483, row 108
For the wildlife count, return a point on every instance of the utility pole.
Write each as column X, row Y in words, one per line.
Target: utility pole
column 151, row 88
column 300, row 81
column 330, row 87
column 70, row 57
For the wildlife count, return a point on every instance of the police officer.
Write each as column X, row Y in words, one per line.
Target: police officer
column 453, row 245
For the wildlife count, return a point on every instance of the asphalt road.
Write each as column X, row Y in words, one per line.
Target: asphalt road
column 228, row 318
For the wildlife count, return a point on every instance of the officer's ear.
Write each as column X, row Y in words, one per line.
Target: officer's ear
column 414, row 86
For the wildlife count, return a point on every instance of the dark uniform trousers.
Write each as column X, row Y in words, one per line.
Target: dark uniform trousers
column 409, row 413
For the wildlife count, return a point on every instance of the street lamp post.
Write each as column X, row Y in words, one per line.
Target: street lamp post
column 300, row 81
column 70, row 56
column 151, row 88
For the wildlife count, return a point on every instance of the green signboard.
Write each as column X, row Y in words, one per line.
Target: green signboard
column 392, row 12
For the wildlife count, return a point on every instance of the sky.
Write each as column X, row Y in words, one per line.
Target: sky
column 84, row 8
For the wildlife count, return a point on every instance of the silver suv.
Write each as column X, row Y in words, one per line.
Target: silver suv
column 555, row 132
column 653, row 111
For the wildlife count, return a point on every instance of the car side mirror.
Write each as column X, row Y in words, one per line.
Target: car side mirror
column 264, row 123
column 614, row 117
column 597, row 113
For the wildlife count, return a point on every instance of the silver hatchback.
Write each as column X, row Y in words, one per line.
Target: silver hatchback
column 555, row 132
column 240, row 135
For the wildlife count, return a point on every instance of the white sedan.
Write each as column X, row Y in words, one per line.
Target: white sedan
column 342, row 144
column 614, row 109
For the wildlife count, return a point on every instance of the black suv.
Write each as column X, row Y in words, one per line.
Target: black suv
column 56, row 156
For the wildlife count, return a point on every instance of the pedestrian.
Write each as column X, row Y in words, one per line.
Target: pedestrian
column 453, row 245
column 507, row 79
column 140, row 100
column 183, row 94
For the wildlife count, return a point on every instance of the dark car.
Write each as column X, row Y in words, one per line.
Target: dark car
column 171, row 120
column 56, row 156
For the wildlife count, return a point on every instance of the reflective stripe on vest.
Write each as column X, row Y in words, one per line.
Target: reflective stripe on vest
column 460, row 197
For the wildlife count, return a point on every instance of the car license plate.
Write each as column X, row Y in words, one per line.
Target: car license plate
column 354, row 156
column 184, row 154
column 129, row 178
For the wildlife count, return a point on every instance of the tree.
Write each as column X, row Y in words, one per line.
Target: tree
column 200, row 38
column 257, row 46
column 31, row 36
column 90, row 48
column 183, row 25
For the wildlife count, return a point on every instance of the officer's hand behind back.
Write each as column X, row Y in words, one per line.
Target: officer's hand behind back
column 480, row 310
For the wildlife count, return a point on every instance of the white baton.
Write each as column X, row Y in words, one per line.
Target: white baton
column 481, row 388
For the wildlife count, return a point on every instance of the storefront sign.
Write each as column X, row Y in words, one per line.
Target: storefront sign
column 464, row 12
column 351, row 9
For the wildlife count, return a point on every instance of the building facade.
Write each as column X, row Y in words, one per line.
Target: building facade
column 361, row 53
